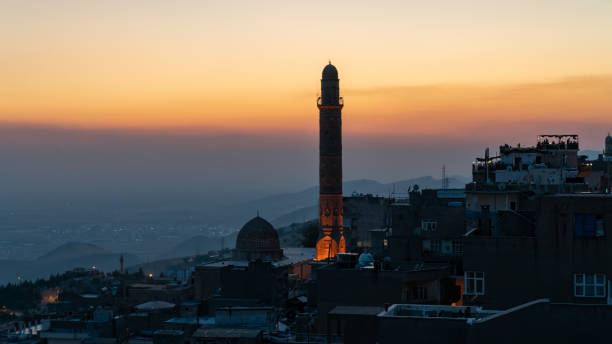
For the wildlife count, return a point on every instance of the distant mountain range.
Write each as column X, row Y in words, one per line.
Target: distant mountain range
column 65, row 257
column 280, row 209
column 287, row 208
column 298, row 207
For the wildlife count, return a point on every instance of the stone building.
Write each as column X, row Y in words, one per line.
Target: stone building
column 258, row 272
column 331, row 237
column 257, row 240
column 362, row 214
column 429, row 227
column 599, row 171
column 537, row 321
column 376, row 286
column 567, row 257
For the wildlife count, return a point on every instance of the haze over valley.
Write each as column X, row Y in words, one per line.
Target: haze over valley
column 148, row 192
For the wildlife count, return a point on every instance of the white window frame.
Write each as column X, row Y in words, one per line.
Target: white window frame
column 429, row 226
column 580, row 281
column 474, row 276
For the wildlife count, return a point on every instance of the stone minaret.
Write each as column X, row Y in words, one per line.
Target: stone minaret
column 331, row 238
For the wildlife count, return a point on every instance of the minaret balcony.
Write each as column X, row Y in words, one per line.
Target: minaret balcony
column 339, row 105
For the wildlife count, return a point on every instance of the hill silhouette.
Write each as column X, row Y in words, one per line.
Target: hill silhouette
column 65, row 257
column 71, row 250
column 284, row 209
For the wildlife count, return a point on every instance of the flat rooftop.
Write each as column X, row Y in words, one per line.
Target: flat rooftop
column 582, row 194
column 470, row 314
column 191, row 320
column 148, row 286
column 437, row 312
column 169, row 332
column 292, row 255
column 356, row 310
column 414, row 266
column 221, row 332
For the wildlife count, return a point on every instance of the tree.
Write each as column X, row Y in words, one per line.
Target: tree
column 310, row 234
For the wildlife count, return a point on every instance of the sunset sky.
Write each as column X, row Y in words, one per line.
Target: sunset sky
column 487, row 72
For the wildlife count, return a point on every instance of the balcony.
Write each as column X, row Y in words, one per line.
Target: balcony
column 339, row 105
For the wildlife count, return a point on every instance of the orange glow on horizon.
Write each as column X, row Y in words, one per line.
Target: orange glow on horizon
column 405, row 68
column 418, row 110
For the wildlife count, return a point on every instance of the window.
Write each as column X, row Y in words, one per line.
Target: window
column 588, row 226
column 436, row 246
column 457, row 247
column 426, row 246
column 599, row 227
column 474, row 283
column 429, row 226
column 590, row 285
column 517, row 163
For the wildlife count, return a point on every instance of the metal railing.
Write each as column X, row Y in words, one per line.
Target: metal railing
column 340, row 102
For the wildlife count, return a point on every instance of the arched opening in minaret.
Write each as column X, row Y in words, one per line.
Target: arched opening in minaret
column 326, row 248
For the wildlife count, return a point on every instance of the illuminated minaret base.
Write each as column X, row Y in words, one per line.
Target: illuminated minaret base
column 331, row 236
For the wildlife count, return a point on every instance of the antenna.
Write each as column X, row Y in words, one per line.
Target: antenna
column 444, row 178
column 487, row 165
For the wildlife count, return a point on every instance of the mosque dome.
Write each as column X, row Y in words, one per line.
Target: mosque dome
column 257, row 234
column 330, row 72
column 258, row 240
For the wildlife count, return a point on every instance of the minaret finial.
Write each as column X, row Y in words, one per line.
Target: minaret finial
column 329, row 61
column 257, row 212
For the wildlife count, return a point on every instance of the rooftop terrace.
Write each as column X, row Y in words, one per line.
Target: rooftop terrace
column 437, row 311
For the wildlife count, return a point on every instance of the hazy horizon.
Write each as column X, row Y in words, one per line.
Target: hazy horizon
column 119, row 163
